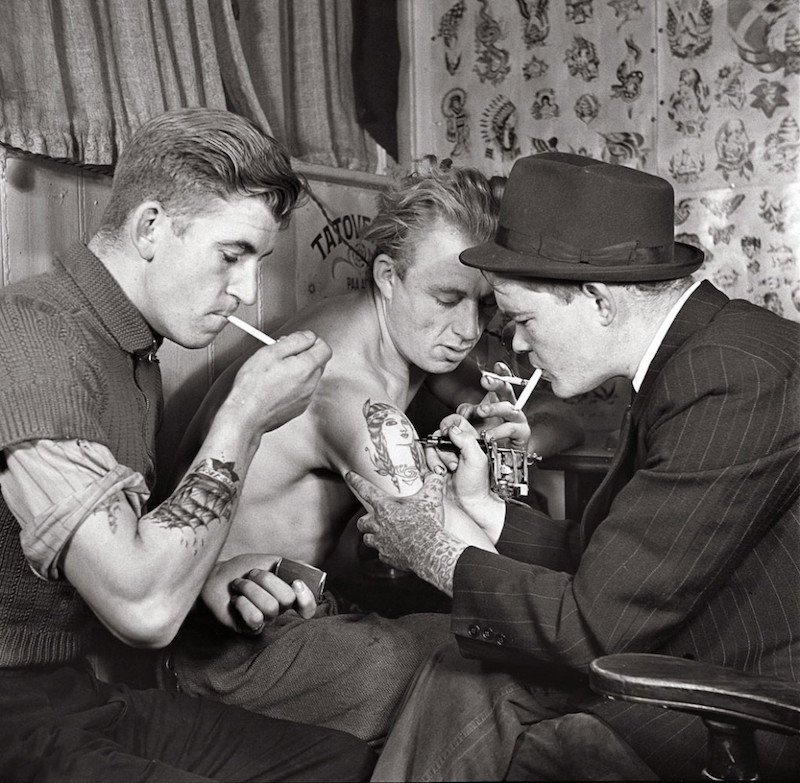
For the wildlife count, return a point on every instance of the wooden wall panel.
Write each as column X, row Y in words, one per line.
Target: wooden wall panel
column 5, row 266
column 43, row 208
column 95, row 191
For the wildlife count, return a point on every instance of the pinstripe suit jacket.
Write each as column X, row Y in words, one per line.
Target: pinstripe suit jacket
column 693, row 551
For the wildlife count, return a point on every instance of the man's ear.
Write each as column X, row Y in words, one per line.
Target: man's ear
column 603, row 301
column 384, row 273
column 144, row 224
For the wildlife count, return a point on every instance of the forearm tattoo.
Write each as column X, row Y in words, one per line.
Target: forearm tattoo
column 206, row 494
column 437, row 560
column 112, row 508
column 412, row 536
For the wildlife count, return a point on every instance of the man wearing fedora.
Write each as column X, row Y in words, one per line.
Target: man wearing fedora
column 690, row 546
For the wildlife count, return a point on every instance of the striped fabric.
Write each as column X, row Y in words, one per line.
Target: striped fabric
column 51, row 487
column 696, row 550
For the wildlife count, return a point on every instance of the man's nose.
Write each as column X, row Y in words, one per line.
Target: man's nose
column 244, row 283
column 468, row 326
column 520, row 343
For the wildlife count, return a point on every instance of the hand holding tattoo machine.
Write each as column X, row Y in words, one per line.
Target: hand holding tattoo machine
column 508, row 468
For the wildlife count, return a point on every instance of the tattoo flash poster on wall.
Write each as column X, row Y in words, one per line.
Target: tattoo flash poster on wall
column 331, row 257
column 705, row 93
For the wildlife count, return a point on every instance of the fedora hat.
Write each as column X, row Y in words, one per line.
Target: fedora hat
column 569, row 217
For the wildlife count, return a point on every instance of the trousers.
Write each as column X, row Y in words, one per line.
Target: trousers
column 347, row 671
column 63, row 725
column 463, row 721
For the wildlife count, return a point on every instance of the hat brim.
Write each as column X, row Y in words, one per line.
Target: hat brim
column 491, row 257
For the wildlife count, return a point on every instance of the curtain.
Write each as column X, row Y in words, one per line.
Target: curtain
column 299, row 55
column 77, row 77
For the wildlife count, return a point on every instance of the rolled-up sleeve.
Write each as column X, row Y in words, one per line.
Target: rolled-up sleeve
column 51, row 487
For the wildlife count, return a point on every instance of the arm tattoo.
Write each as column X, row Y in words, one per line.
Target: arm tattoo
column 396, row 450
column 413, row 536
column 112, row 507
column 205, row 495
column 433, row 553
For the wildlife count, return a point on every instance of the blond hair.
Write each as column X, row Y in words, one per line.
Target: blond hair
column 463, row 198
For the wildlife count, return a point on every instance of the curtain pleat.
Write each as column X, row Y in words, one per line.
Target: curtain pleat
column 299, row 56
column 77, row 77
column 234, row 68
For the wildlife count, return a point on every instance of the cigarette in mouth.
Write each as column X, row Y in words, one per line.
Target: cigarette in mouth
column 251, row 330
column 529, row 387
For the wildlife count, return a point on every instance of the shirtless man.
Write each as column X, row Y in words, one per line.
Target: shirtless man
column 419, row 321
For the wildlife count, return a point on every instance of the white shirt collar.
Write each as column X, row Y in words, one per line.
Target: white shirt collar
column 655, row 343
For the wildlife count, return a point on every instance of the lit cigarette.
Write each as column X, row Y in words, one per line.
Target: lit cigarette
column 529, row 387
column 507, row 378
column 251, row 330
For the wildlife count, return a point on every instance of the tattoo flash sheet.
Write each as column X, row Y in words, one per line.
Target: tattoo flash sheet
column 705, row 93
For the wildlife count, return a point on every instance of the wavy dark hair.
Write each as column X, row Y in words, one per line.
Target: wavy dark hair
column 185, row 158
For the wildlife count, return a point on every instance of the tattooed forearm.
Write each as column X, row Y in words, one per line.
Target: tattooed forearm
column 206, row 494
column 410, row 534
column 436, row 560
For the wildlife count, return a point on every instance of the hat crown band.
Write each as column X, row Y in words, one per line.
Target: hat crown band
column 557, row 250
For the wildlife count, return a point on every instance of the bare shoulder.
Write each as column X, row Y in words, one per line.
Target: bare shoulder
column 358, row 423
column 336, row 406
column 341, row 321
column 347, row 323
column 328, row 431
column 368, row 432
column 313, row 438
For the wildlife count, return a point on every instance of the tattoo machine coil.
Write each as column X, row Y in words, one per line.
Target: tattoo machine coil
column 508, row 468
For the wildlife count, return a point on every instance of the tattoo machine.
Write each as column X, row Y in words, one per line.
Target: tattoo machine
column 508, row 468
column 314, row 578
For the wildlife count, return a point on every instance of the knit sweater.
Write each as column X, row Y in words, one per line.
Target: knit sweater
column 77, row 360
